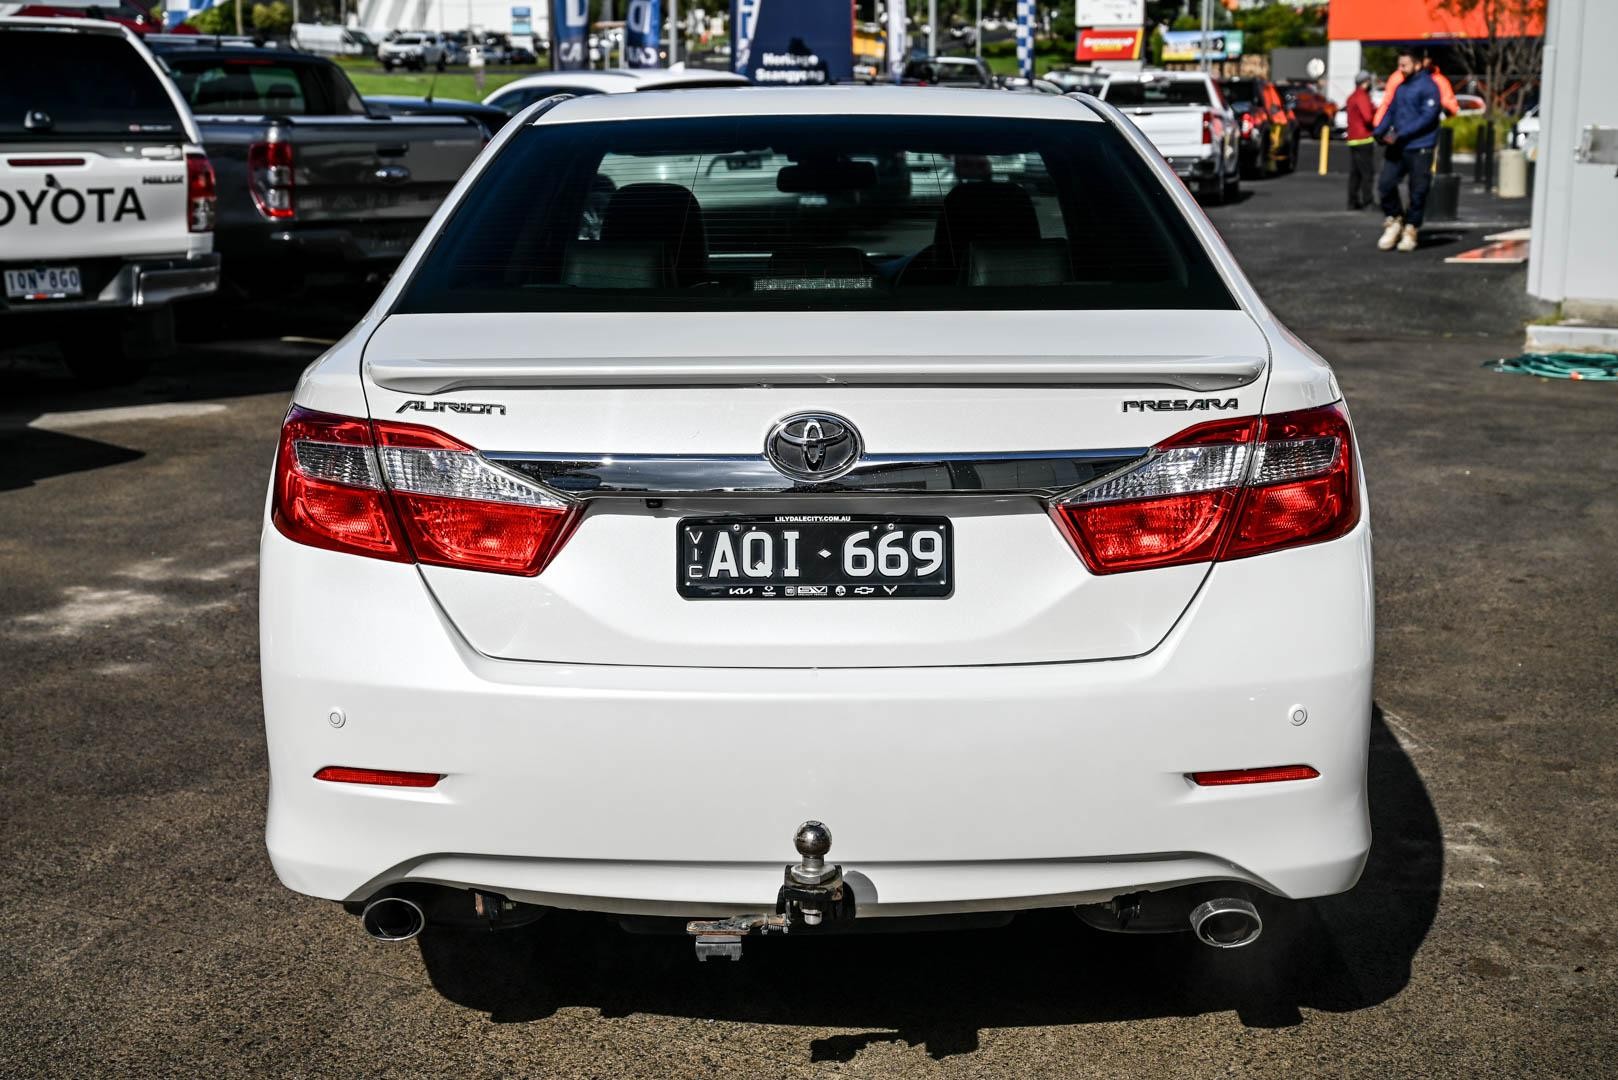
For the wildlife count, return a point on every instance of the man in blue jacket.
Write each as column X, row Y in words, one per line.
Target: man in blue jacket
column 1409, row 130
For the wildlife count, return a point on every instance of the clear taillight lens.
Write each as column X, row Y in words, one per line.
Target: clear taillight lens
column 410, row 493
column 202, row 193
column 1227, row 489
column 270, row 173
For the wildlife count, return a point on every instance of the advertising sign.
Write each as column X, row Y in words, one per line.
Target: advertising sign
column 1105, row 45
column 643, row 28
column 1111, row 13
column 570, row 26
column 522, row 22
column 1186, row 45
column 793, row 42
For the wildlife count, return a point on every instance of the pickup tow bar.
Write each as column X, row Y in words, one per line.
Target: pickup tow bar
column 812, row 897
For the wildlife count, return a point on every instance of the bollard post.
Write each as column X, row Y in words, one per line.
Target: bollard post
column 1325, row 141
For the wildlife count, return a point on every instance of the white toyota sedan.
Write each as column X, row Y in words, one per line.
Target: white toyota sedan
column 759, row 511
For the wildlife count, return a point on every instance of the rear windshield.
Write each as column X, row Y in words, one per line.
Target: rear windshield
column 816, row 213
column 1128, row 94
column 1240, row 91
column 944, row 73
column 75, row 84
column 254, row 85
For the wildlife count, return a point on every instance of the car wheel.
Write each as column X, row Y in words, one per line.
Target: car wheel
column 442, row 64
column 1213, row 191
column 387, row 65
column 114, row 350
column 1233, row 188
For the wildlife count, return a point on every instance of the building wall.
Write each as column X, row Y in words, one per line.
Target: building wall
column 1573, row 251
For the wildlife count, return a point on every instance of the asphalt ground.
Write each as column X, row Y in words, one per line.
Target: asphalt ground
column 145, row 933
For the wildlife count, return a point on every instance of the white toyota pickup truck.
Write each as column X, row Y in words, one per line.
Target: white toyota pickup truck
column 106, row 198
column 1188, row 120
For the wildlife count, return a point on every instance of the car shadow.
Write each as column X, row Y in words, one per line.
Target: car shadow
column 941, row 990
column 224, row 364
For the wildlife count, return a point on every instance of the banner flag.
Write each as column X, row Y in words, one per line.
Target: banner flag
column 643, row 33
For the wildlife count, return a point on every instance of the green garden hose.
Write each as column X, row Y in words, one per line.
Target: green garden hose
column 1593, row 367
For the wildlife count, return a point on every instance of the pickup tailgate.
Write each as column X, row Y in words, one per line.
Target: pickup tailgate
column 87, row 200
column 361, row 168
column 1176, row 130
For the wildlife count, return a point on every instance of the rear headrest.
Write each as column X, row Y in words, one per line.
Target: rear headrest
column 993, row 209
column 1043, row 262
column 616, row 264
column 666, row 214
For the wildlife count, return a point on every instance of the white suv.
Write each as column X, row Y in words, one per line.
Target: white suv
column 716, row 466
column 416, row 51
column 107, row 200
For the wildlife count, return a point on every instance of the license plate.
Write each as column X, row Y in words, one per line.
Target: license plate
column 814, row 557
column 43, row 283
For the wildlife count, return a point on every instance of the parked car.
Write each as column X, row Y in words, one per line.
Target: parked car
column 130, row 14
column 949, row 71
column 1471, row 105
column 107, row 199
column 416, row 51
column 329, row 40
column 490, row 118
column 1315, row 112
column 1525, row 133
column 1268, row 130
column 1078, row 80
column 312, row 185
column 604, row 558
column 1190, row 123
column 517, row 95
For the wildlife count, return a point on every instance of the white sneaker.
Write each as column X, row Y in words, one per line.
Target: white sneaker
column 1407, row 238
column 1390, row 233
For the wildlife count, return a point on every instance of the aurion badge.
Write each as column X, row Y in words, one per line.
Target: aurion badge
column 815, row 447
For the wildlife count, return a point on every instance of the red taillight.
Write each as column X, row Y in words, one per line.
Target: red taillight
column 270, row 178
column 406, row 493
column 1267, row 775
column 342, row 774
column 1208, row 120
column 1221, row 490
column 1247, row 124
column 202, row 193
column 328, row 488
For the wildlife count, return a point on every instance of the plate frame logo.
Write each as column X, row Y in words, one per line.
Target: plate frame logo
column 814, row 447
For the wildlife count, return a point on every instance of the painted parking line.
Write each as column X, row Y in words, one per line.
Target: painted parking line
column 121, row 414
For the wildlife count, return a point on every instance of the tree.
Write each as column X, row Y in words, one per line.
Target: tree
column 1508, row 55
column 272, row 18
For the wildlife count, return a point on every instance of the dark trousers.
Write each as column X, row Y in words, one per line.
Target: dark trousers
column 1400, row 163
column 1361, row 171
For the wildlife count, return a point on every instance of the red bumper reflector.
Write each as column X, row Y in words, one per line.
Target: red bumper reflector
column 1254, row 776
column 341, row 774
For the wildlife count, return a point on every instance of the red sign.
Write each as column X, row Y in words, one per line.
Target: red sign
column 1108, row 45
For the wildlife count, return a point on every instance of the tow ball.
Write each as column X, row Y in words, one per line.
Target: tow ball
column 812, row 898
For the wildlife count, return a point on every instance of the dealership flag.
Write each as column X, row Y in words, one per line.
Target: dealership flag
column 570, row 26
column 1025, row 38
column 643, row 29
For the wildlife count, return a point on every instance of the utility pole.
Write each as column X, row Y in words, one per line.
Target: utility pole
column 977, row 33
column 932, row 27
column 1207, row 35
column 674, row 32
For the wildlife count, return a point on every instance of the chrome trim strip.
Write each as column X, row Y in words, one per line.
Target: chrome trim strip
column 1201, row 373
column 1045, row 473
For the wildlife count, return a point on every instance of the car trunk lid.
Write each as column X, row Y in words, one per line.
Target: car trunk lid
column 1022, row 406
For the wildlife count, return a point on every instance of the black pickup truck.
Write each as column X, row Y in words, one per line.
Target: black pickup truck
column 313, row 185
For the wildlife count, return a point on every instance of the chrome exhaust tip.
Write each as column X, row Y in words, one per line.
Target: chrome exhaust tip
column 1226, row 923
column 393, row 918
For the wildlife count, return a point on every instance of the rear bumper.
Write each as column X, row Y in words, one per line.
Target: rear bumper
column 140, row 283
column 676, row 790
column 1194, row 167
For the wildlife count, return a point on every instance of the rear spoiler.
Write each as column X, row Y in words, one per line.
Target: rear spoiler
column 1196, row 373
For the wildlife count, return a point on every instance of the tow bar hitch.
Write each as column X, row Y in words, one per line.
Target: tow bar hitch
column 811, row 898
